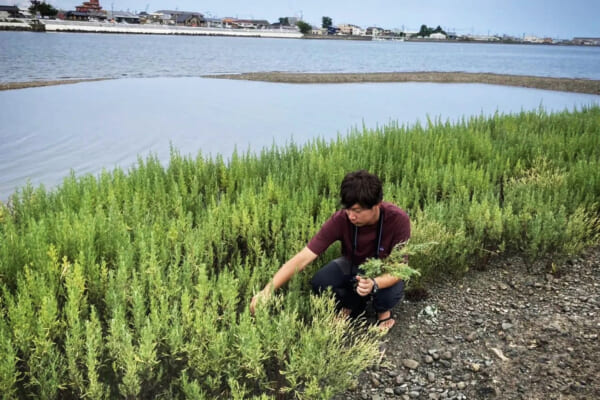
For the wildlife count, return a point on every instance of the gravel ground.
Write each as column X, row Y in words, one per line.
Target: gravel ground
column 507, row 332
column 559, row 84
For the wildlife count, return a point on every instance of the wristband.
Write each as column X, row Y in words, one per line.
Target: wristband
column 375, row 286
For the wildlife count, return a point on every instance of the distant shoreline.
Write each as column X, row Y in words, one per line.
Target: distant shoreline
column 586, row 86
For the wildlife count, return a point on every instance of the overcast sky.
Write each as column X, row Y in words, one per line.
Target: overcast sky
column 545, row 18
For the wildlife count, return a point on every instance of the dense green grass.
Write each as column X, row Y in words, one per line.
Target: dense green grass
column 136, row 284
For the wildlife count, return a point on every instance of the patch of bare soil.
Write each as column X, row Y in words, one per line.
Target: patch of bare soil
column 509, row 332
column 537, row 82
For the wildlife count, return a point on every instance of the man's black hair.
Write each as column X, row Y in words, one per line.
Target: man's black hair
column 361, row 187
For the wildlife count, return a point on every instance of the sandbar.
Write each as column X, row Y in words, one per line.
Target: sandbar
column 587, row 86
column 31, row 84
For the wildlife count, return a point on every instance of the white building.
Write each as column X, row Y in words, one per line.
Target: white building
column 349, row 29
column 533, row 39
column 374, row 31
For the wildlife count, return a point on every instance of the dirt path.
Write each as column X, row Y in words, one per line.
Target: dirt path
column 508, row 332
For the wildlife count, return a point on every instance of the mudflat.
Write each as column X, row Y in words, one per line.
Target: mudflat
column 536, row 82
column 30, row 84
column 588, row 86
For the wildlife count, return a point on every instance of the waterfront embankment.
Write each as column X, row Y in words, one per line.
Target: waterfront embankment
column 587, row 86
column 150, row 29
column 19, row 24
column 55, row 25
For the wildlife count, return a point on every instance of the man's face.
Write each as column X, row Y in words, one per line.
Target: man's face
column 361, row 216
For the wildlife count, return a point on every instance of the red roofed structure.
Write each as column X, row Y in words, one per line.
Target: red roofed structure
column 92, row 6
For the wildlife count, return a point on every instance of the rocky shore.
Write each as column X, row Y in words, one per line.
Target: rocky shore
column 510, row 331
column 587, row 86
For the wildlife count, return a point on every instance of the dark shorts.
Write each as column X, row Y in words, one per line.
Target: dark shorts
column 337, row 275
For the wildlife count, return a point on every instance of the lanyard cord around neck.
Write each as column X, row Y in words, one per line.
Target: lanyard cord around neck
column 377, row 240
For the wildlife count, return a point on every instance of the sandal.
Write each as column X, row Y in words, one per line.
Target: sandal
column 384, row 324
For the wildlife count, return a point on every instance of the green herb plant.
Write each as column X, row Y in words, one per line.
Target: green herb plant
column 396, row 264
column 135, row 283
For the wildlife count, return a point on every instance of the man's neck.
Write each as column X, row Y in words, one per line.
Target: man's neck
column 376, row 215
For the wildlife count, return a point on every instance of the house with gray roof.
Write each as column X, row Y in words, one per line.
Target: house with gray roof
column 123, row 16
column 9, row 11
column 251, row 23
column 186, row 18
column 586, row 41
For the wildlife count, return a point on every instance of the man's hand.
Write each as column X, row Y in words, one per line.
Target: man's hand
column 364, row 286
column 258, row 299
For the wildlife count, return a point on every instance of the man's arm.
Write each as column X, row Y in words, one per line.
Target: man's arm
column 285, row 273
column 401, row 229
column 365, row 286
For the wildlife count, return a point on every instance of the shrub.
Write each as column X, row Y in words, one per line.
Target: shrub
column 136, row 284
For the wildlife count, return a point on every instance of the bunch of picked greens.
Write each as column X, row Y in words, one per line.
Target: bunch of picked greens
column 396, row 264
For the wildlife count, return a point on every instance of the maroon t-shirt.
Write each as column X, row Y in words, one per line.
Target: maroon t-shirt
column 396, row 229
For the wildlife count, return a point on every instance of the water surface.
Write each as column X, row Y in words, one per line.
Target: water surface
column 46, row 132
column 26, row 56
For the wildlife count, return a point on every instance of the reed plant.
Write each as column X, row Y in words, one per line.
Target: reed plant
column 136, row 283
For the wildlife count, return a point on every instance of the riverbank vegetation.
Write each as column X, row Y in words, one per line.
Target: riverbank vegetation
column 136, row 283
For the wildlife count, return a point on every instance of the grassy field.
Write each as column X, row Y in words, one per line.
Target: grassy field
column 136, row 283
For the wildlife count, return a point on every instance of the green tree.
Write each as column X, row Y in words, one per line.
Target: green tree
column 304, row 27
column 45, row 9
column 284, row 21
column 439, row 30
column 426, row 30
column 327, row 23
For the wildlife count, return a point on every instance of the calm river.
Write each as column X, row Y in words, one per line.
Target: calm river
column 161, row 100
